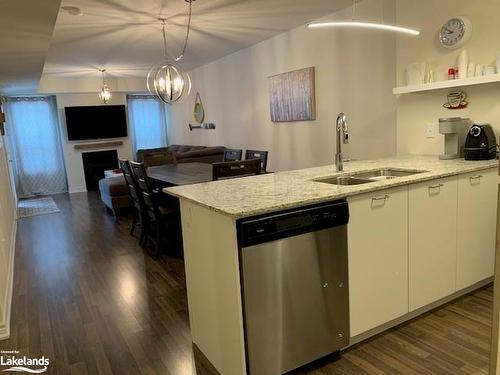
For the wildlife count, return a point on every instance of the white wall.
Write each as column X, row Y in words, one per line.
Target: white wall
column 355, row 73
column 72, row 157
column 415, row 111
column 82, row 92
column 7, row 240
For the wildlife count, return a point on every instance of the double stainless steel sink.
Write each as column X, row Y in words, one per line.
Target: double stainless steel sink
column 368, row 176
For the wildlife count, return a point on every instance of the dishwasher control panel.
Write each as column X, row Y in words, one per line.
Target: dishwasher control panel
column 252, row 231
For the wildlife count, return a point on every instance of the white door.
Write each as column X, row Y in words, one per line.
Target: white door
column 432, row 241
column 477, row 219
column 378, row 258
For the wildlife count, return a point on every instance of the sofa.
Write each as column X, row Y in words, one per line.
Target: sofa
column 114, row 190
column 182, row 154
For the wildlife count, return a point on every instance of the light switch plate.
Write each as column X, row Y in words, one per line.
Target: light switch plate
column 429, row 131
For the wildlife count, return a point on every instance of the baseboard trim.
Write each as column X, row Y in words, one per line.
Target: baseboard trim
column 413, row 314
column 202, row 363
column 79, row 189
column 5, row 319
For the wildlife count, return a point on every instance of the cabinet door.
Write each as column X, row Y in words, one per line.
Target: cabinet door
column 477, row 211
column 432, row 240
column 378, row 258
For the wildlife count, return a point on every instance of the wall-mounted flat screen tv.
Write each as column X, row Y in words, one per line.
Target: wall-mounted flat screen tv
column 96, row 122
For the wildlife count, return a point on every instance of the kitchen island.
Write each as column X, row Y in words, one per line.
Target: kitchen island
column 414, row 242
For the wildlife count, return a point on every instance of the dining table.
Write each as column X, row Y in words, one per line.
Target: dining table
column 181, row 173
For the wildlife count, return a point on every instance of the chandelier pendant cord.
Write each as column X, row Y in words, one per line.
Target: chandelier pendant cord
column 178, row 58
column 164, row 39
column 186, row 39
column 103, row 79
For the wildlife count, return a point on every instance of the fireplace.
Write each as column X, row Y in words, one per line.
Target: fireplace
column 94, row 165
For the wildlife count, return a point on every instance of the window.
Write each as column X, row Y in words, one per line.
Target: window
column 147, row 120
column 35, row 144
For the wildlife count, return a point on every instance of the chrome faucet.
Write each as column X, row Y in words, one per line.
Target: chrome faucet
column 342, row 134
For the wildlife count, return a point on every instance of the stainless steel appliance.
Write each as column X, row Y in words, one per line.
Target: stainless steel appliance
column 454, row 130
column 294, row 286
column 481, row 143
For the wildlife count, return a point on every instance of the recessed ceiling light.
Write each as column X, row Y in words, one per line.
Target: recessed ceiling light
column 71, row 10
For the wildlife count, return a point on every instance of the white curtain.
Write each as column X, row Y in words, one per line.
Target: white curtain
column 147, row 119
column 35, row 142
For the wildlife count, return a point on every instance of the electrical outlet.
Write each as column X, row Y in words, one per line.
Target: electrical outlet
column 429, row 131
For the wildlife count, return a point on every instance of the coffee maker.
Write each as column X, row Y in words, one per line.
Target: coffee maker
column 481, row 143
column 454, row 130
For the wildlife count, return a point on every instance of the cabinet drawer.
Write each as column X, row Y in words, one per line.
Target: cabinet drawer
column 432, row 240
column 477, row 210
column 378, row 258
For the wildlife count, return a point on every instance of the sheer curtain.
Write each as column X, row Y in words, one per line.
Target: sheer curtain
column 147, row 119
column 35, row 144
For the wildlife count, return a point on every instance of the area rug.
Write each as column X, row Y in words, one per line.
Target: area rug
column 37, row 206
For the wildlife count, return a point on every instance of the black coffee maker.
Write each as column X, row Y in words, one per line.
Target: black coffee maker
column 480, row 143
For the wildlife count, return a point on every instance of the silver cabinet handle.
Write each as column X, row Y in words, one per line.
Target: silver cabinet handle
column 435, row 189
column 383, row 198
column 478, row 177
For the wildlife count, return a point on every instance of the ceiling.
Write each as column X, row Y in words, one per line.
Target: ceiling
column 26, row 28
column 124, row 36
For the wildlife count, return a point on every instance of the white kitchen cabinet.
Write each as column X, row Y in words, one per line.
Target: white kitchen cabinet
column 477, row 211
column 378, row 258
column 432, row 240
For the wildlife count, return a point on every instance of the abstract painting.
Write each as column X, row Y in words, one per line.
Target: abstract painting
column 292, row 96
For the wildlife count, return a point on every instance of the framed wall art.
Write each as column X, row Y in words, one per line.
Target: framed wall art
column 292, row 96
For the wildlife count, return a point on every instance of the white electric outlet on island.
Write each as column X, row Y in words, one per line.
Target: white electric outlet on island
column 429, row 131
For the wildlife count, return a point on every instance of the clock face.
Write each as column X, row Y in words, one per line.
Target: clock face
column 452, row 32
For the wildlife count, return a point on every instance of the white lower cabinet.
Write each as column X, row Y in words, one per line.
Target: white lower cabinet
column 432, row 240
column 378, row 258
column 477, row 210
column 411, row 246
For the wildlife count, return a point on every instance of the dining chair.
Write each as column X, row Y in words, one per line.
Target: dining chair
column 159, row 217
column 233, row 169
column 140, row 216
column 256, row 154
column 232, row 155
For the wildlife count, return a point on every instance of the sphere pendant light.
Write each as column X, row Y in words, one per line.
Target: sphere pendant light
column 168, row 81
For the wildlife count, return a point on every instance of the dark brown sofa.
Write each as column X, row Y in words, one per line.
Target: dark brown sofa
column 184, row 154
column 114, row 193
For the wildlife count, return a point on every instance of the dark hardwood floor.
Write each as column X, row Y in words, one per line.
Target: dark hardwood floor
column 87, row 297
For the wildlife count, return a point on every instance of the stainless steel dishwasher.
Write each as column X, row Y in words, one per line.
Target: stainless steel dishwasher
column 294, row 283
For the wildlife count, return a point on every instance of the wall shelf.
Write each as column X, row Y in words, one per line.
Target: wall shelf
column 473, row 81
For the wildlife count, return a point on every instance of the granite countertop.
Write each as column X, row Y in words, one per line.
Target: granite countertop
column 250, row 196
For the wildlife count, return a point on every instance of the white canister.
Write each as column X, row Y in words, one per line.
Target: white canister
column 462, row 63
column 489, row 70
column 479, row 70
column 471, row 70
column 415, row 74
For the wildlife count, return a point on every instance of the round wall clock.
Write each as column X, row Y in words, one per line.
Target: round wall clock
column 455, row 32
